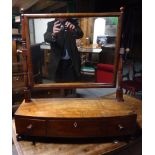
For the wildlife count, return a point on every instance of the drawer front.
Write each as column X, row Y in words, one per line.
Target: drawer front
column 114, row 126
column 75, row 128
column 120, row 126
column 31, row 127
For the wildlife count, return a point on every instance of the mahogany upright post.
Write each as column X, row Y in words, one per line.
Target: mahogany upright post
column 119, row 91
column 25, row 63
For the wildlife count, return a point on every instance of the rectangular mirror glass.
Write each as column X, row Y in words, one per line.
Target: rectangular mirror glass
column 73, row 48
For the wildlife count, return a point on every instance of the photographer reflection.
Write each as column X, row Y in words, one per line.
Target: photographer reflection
column 65, row 58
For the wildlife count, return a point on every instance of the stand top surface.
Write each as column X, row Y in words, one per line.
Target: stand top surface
column 79, row 107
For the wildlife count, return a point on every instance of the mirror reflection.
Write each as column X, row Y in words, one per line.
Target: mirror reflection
column 73, row 49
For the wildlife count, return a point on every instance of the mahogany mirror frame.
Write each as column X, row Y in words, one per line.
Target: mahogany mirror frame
column 28, row 76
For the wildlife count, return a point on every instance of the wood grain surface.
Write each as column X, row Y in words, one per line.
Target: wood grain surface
column 74, row 108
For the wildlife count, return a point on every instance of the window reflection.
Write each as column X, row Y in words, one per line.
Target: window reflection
column 99, row 25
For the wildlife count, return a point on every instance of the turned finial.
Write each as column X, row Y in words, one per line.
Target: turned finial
column 22, row 11
column 122, row 9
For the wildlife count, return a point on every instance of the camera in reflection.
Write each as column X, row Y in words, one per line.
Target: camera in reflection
column 63, row 27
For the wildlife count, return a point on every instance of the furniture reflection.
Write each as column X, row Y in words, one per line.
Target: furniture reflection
column 89, row 59
column 46, row 49
column 90, row 69
column 37, row 62
column 107, row 55
column 40, row 61
column 104, row 73
column 89, row 54
column 88, row 73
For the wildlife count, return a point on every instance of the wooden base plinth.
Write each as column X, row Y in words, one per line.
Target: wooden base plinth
column 74, row 117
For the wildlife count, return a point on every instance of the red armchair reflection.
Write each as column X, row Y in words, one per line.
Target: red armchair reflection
column 104, row 73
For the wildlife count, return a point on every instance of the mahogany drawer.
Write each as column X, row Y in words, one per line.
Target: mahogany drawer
column 31, row 127
column 75, row 128
column 120, row 126
column 117, row 126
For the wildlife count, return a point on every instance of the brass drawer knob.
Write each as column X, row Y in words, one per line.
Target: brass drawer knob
column 75, row 124
column 29, row 126
column 120, row 127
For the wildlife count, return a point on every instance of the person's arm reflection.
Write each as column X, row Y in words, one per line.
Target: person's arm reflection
column 49, row 36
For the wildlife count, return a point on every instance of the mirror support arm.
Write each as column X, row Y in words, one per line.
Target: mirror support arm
column 119, row 91
column 27, row 92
